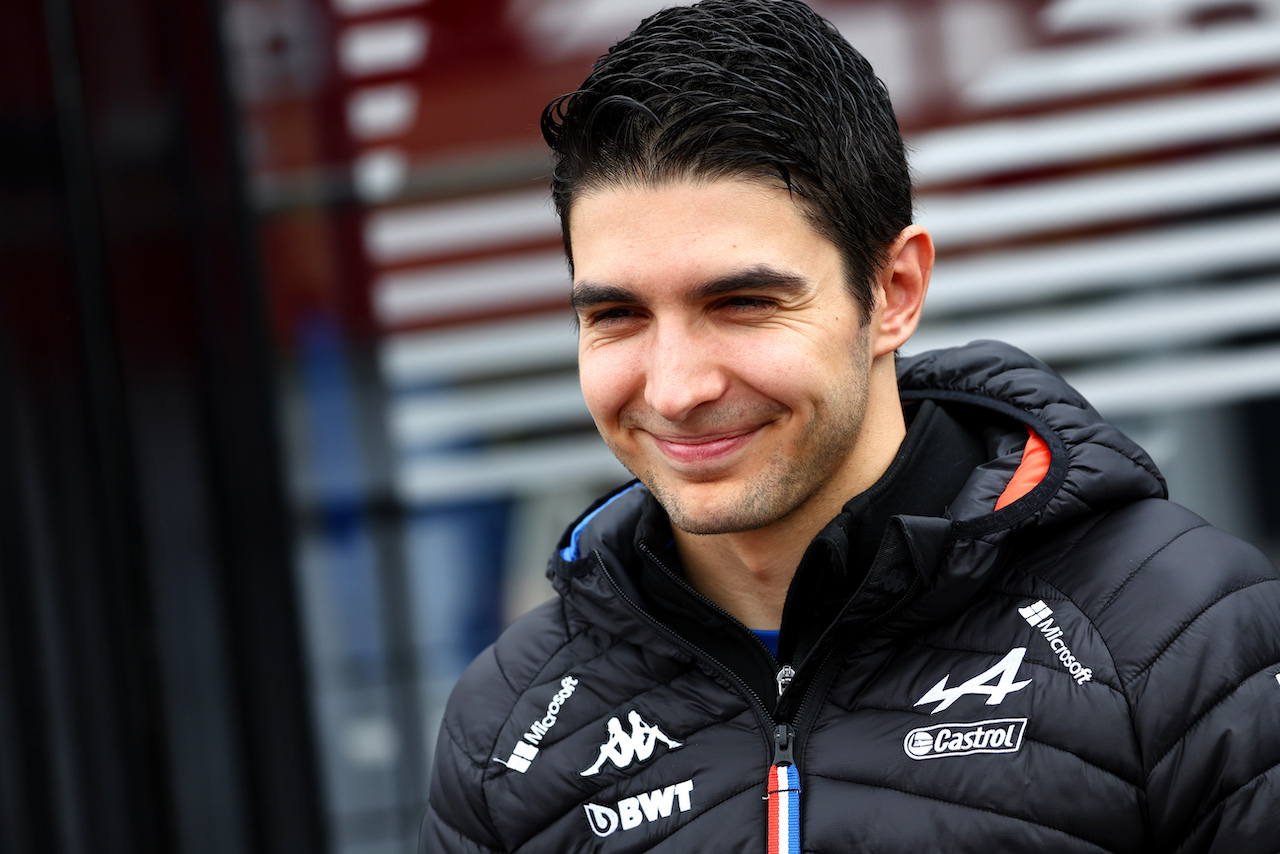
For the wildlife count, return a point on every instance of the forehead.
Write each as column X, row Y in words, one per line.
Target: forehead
column 693, row 231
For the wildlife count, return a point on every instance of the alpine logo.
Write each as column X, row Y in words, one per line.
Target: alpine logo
column 526, row 749
column 1003, row 735
column 1040, row 616
column 1003, row 674
column 633, row 812
column 624, row 747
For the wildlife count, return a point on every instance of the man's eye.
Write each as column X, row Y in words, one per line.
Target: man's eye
column 749, row 302
column 609, row 315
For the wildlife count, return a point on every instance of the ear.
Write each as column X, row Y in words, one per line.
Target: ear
column 904, row 279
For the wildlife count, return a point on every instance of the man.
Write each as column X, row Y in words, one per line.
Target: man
column 854, row 602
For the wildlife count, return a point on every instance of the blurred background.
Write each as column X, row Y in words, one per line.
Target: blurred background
column 290, row 416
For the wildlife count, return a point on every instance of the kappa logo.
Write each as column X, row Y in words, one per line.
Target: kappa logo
column 526, row 749
column 933, row 742
column 633, row 812
column 1003, row 674
column 624, row 747
column 1040, row 616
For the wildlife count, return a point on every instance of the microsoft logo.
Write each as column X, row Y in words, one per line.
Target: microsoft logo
column 1036, row 613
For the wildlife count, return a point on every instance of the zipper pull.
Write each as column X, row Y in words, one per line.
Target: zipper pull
column 785, row 675
column 783, row 745
column 784, row 794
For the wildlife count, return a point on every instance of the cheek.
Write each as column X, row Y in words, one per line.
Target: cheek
column 607, row 382
column 798, row 371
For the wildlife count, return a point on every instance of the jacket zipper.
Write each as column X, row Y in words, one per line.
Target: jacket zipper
column 783, row 783
column 784, row 776
column 783, row 794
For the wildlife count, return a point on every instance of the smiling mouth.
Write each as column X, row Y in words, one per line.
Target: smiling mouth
column 691, row 451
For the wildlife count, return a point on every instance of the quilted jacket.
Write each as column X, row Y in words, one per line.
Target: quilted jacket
column 1088, row 668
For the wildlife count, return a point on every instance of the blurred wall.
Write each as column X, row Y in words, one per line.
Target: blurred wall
column 303, row 321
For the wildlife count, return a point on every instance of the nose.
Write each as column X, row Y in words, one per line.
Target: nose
column 684, row 370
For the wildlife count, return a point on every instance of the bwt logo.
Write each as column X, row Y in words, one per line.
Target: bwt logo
column 632, row 812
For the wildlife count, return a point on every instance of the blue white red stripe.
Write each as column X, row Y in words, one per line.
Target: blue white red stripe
column 784, row 810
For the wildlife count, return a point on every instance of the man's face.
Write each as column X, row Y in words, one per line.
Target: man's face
column 721, row 355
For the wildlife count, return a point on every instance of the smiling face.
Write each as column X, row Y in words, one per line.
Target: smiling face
column 721, row 354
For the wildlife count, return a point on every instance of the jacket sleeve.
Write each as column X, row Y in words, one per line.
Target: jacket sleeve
column 457, row 820
column 1205, row 692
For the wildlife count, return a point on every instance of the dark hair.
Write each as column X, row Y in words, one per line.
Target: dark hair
column 742, row 88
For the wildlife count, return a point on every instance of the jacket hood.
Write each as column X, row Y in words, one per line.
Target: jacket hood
column 1085, row 465
column 1092, row 465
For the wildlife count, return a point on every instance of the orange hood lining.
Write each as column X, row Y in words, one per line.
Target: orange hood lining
column 1032, row 469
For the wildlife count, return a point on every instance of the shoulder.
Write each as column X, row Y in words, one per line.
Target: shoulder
column 479, row 708
column 1188, row 614
column 1162, row 588
column 1147, row 573
column 511, row 684
column 1190, row 617
column 1188, row 611
column 533, row 650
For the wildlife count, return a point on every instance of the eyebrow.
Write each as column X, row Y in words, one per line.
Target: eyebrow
column 587, row 293
column 761, row 278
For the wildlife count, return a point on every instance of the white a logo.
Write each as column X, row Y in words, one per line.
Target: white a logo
column 1006, row 670
column 623, row 748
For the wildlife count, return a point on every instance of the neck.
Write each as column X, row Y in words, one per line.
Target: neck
column 749, row 573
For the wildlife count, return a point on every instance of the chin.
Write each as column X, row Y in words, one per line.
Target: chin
column 728, row 515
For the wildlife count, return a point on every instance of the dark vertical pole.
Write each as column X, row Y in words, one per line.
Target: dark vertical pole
column 152, row 690
column 84, row 760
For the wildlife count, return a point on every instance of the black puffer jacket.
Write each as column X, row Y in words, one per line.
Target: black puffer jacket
column 1090, row 668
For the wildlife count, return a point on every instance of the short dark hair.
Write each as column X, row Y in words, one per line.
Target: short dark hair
column 742, row 88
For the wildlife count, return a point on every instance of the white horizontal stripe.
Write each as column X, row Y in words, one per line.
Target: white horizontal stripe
column 960, row 218
column 525, row 468
column 1151, row 321
column 436, row 418
column 479, row 350
column 1070, row 137
column 383, row 46
column 401, row 234
column 363, row 7
column 414, row 295
column 1126, row 62
column 560, row 28
column 381, row 111
column 1148, row 257
column 1184, row 382
column 1070, row 15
